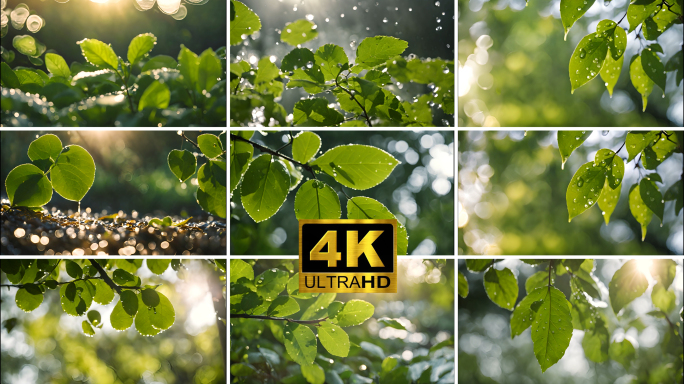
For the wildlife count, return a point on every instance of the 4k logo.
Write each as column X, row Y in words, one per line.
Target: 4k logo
column 348, row 256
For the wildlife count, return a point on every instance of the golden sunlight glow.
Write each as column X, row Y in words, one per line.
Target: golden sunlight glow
column 462, row 216
column 644, row 265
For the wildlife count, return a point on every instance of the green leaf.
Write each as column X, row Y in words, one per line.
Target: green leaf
column 552, row 329
column 651, row 196
column 149, row 297
column 627, row 284
column 75, row 298
column 607, row 200
column 640, row 80
column 57, row 65
column 271, row 282
column 296, row 59
column 354, row 312
column 356, row 166
column 596, row 342
column 26, row 45
column 99, row 54
column 299, row 32
column 539, row 279
column 478, row 265
column 211, row 178
column 210, row 145
column 522, row 316
column 293, row 288
column 94, row 317
column 140, row 46
column 143, row 321
column 322, row 301
column 623, row 352
column 242, row 370
column 245, row 22
column 334, row 339
column 27, row 186
column 129, row 302
column 300, row 343
column 240, row 156
column 158, row 266
column 388, row 364
column 44, row 150
column 265, row 76
column 372, row 349
column 572, row 10
column 360, row 207
column 638, row 140
column 676, row 63
column 613, row 164
column 584, row 189
column 310, row 78
column 391, row 323
column 663, row 148
column 317, row 200
column 189, row 67
column 9, row 78
column 462, row 285
column 675, row 192
column 501, row 287
column 617, row 43
column 376, row 50
column 378, row 77
column 156, row 95
column 587, row 59
column 314, row 374
column 264, row 187
column 663, row 298
column 73, row 173
column 87, row 329
column 305, row 146
column 161, row 316
column 638, row 11
column 664, row 271
column 639, row 209
column 239, row 269
column 661, row 20
column 119, row 319
column 74, row 270
column 29, row 297
column 103, row 292
column 568, row 141
column 315, row 113
column 283, row 306
column 332, row 59
column 610, row 72
column 446, row 343
column 653, row 67
column 160, row 61
column 209, row 72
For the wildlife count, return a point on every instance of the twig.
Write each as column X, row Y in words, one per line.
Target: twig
column 274, row 153
column 259, row 317
column 674, row 329
column 353, row 97
column 104, row 276
column 623, row 17
column 190, row 141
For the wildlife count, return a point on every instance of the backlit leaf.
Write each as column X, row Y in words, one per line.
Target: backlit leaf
column 265, row 186
column 317, row 200
column 639, row 209
column 293, row 288
column 501, row 287
column 391, row 323
column 210, row 145
column 366, row 208
column 211, row 178
column 305, row 146
column 74, row 270
column 98, row 53
column 623, row 352
column 29, row 297
column 607, row 200
column 239, row 269
column 189, row 67
column 160, row 61
column 663, row 298
column 161, row 316
column 332, row 59
column 104, row 294
column 478, row 265
column 9, row 78
column 613, row 164
column 572, row 10
column 158, row 266
column 44, row 150
column 313, row 373
column 300, row 343
column 129, row 302
column 334, row 339
column 664, row 271
column 462, row 285
column 240, row 157
column 354, row 312
column 596, row 342
column 321, row 304
column 283, row 306
column 523, row 315
column 27, row 186
column 627, row 284
column 356, row 166
column 610, row 72
column 568, row 141
column 140, row 46
column 376, row 50
column 584, row 189
column 552, row 328
column 75, row 298
column 638, row 140
column 87, row 329
column 663, row 148
column 271, row 282
column 157, row 95
column 587, row 59
column 182, row 164
column 298, row 32
column 315, row 113
column 57, row 65
column 639, row 10
column 95, row 318
column 640, row 80
column 26, row 45
column 651, row 196
column 209, row 71
column 297, row 58
column 539, row 279
column 246, row 22
column 74, row 173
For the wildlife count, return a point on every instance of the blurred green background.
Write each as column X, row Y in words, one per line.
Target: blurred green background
column 117, row 23
column 512, row 191
column 514, row 70
column 48, row 346
column 418, row 192
column 427, row 26
column 132, row 172
column 424, row 304
column 488, row 355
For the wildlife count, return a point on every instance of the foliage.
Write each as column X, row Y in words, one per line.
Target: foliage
column 270, row 331
column 553, row 318
column 211, row 176
column 266, row 181
column 72, row 168
column 602, row 52
column 600, row 181
column 108, row 91
column 341, row 93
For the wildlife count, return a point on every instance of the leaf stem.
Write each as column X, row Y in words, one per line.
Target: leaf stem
column 274, row 153
column 190, row 141
column 550, row 269
column 353, row 97
column 125, row 84
column 623, row 17
column 259, row 317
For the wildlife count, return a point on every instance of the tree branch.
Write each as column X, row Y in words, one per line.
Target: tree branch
column 245, row 316
column 353, row 97
column 190, row 141
column 104, row 276
column 273, row 153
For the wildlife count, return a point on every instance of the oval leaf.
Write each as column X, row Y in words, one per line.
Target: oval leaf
column 182, row 164
column 299, row 32
column 587, row 60
column 44, row 150
column 27, row 186
column 584, row 189
column 317, row 200
column 354, row 312
column 209, row 71
column 640, row 80
column 74, row 173
column 119, row 318
column 627, row 284
column 501, row 287
column 568, row 141
column 639, row 209
column 210, row 145
column 334, row 339
column 552, row 329
column 653, row 67
column 140, row 46
column 332, row 59
column 94, row 317
column 462, row 285
column 651, row 196
column 264, row 187
column 366, row 208
column 572, row 10
column 29, row 297
column 157, row 95
column 376, row 50
column 240, row 156
column 305, row 146
column 283, row 306
column 300, row 343
column 158, row 266
column 270, row 283
column 356, row 166
column 243, row 24
column 57, row 65
column 98, row 53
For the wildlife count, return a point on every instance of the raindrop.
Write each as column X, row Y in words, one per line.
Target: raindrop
column 582, row 53
column 384, row 20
